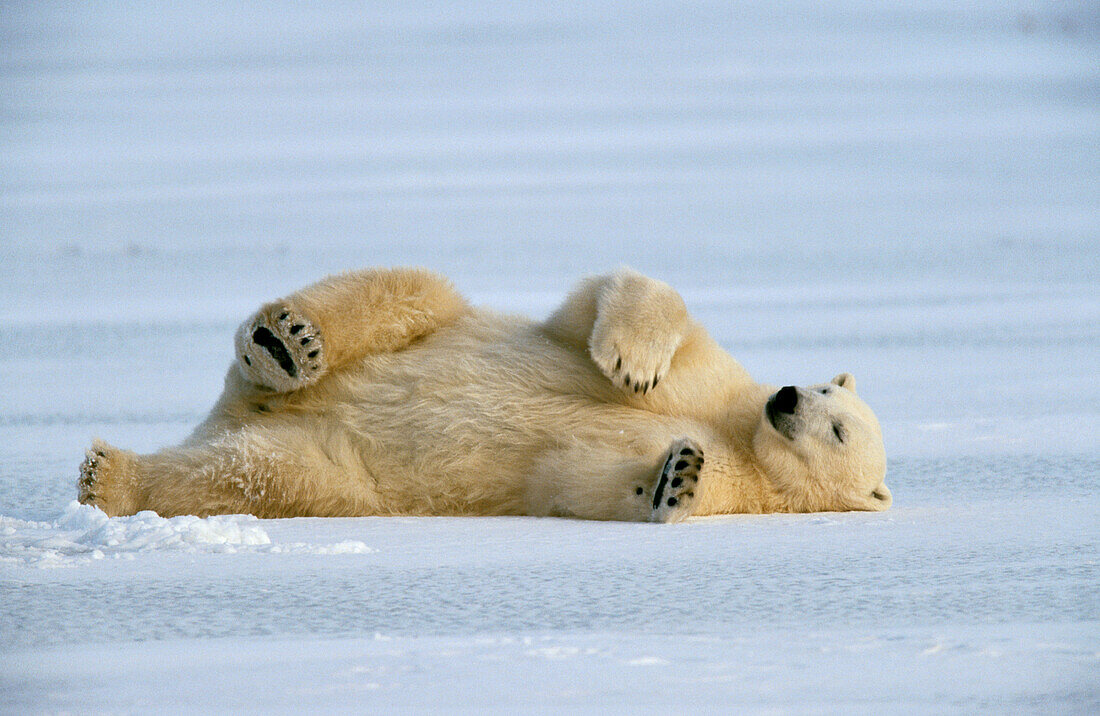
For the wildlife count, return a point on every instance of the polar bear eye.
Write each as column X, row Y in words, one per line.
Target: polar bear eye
column 838, row 430
column 823, row 391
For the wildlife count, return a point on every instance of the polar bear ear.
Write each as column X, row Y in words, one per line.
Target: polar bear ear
column 845, row 380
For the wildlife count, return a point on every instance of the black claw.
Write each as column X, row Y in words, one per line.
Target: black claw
column 283, row 315
column 689, row 494
column 101, row 453
column 247, row 360
column 618, row 363
column 313, row 354
column 295, row 328
column 655, row 379
column 626, row 380
column 305, row 341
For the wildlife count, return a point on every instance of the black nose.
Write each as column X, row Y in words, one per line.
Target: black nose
column 786, row 399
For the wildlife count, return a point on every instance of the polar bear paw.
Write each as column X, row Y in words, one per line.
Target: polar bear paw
column 674, row 494
column 635, row 363
column 102, row 480
column 280, row 349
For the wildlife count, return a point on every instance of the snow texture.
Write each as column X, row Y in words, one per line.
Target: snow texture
column 84, row 533
column 906, row 191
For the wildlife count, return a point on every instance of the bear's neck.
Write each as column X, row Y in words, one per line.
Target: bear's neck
column 741, row 487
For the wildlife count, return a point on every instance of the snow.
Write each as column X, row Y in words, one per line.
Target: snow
column 904, row 191
column 981, row 606
column 85, row 533
column 757, row 670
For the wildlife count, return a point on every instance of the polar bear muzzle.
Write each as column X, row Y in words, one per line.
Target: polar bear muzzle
column 780, row 410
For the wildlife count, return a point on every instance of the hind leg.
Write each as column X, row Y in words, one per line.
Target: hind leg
column 291, row 343
column 263, row 472
column 280, row 348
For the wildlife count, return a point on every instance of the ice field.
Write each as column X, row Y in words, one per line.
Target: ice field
column 909, row 193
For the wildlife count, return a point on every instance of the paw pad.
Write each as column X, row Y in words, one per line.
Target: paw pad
column 280, row 349
column 96, row 475
column 674, row 495
column 89, row 470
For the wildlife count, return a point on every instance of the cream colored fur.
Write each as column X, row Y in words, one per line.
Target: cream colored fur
column 391, row 396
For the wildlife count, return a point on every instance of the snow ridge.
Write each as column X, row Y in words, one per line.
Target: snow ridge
column 84, row 533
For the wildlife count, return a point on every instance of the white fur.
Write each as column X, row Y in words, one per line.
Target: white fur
column 423, row 405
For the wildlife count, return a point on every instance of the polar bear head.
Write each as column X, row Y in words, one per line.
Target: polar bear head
column 822, row 449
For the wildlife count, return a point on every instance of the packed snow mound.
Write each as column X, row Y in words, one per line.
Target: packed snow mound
column 147, row 530
column 84, row 533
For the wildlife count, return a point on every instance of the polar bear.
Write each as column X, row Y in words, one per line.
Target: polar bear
column 382, row 392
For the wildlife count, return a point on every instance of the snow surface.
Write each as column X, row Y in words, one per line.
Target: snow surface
column 905, row 191
column 85, row 533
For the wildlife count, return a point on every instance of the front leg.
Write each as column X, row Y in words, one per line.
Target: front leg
column 640, row 323
column 629, row 324
column 609, row 483
column 673, row 495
